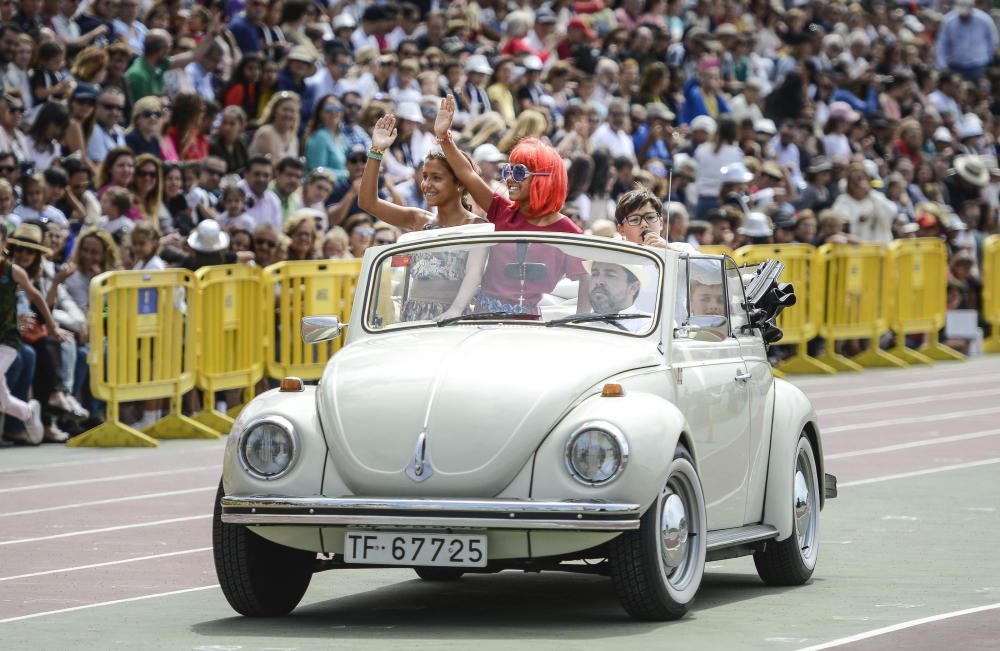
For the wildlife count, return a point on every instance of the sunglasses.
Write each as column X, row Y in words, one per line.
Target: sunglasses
column 146, row 174
column 331, row 108
column 352, row 105
column 150, row 114
column 379, row 241
column 7, row 169
column 365, row 231
column 267, row 243
column 518, row 173
column 16, row 109
column 112, row 107
column 649, row 218
column 356, row 159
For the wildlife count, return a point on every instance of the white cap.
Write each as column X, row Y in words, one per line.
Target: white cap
column 765, row 125
column 532, row 63
column 344, row 20
column 488, row 153
column 703, row 123
column 970, row 127
column 941, row 134
column 756, row 224
column 478, row 63
column 736, row 173
column 871, row 167
column 410, row 111
column 684, row 162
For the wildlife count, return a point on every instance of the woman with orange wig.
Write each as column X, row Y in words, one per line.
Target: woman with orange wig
column 536, row 183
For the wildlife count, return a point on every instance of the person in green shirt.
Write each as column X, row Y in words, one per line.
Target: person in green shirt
column 145, row 75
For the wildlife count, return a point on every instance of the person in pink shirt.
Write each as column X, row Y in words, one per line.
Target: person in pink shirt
column 537, row 183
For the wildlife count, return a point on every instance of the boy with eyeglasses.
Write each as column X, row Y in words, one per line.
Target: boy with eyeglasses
column 639, row 218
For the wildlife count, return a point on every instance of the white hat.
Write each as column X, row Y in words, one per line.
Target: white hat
column 478, row 63
column 532, row 63
column 344, row 21
column 871, row 168
column 970, row 128
column 941, row 134
column 756, row 224
column 488, row 153
column 703, row 123
column 684, row 162
column 765, row 126
column 736, row 173
column 972, row 169
column 208, row 237
column 410, row 111
column 913, row 24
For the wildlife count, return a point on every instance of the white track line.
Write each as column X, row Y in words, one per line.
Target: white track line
column 917, row 473
column 85, row 532
column 947, row 415
column 912, row 444
column 906, row 386
column 89, row 457
column 97, row 480
column 113, row 500
column 899, row 627
column 107, row 603
column 901, row 402
column 105, row 564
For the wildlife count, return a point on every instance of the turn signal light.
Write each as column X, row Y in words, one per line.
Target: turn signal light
column 613, row 391
column 291, row 383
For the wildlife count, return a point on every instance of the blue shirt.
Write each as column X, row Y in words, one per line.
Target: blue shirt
column 966, row 43
column 656, row 150
column 246, row 34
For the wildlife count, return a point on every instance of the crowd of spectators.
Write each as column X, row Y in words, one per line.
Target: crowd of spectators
column 140, row 134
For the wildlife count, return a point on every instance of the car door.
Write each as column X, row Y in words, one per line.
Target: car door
column 757, row 388
column 712, row 393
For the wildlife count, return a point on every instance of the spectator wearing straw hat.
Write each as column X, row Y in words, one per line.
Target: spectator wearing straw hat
column 966, row 180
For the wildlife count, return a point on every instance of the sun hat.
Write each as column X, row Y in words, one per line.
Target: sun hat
column 942, row 134
column 736, row 173
column 344, row 20
column 657, row 111
column 970, row 128
column 478, row 63
column 637, row 270
column 303, row 54
column 765, row 126
column 208, row 237
column 972, row 170
column 819, row 164
column 28, row 236
column 703, row 123
column 755, row 224
column 532, row 63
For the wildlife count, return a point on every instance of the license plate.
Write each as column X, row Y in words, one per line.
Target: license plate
column 406, row 548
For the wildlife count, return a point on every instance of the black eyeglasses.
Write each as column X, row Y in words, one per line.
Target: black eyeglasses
column 146, row 174
column 7, row 169
column 649, row 217
column 352, row 105
column 16, row 109
column 149, row 114
column 518, row 173
column 112, row 107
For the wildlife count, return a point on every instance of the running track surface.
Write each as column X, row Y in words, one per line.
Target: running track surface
column 79, row 528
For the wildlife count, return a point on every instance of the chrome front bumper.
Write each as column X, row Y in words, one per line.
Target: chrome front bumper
column 431, row 513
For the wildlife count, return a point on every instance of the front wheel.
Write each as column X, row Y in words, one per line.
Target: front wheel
column 258, row 577
column 657, row 570
column 792, row 560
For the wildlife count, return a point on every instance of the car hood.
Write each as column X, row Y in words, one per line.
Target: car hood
column 483, row 398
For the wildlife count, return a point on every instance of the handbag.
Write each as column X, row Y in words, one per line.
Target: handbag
column 37, row 330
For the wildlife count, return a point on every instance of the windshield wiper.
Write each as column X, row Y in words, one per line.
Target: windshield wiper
column 590, row 316
column 482, row 316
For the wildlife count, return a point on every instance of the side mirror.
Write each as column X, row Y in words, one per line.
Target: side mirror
column 704, row 328
column 317, row 329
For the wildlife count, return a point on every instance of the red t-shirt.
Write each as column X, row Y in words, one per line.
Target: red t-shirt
column 498, row 290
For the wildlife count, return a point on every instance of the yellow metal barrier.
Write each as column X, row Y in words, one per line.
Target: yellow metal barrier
column 855, row 303
column 799, row 323
column 230, row 337
column 716, row 249
column 292, row 290
column 918, row 298
column 141, row 317
column 991, row 292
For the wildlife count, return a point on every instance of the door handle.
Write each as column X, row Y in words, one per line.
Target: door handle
column 743, row 376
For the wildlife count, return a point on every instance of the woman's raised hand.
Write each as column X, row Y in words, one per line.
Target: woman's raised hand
column 446, row 113
column 384, row 133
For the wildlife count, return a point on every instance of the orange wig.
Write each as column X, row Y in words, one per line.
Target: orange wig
column 548, row 193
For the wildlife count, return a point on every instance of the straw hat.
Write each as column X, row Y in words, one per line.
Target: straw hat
column 972, row 170
column 28, row 236
column 208, row 237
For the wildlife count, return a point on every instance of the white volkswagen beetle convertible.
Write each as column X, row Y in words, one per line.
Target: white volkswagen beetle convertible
column 530, row 401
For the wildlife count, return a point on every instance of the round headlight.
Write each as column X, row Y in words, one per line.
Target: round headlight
column 596, row 453
column 268, row 447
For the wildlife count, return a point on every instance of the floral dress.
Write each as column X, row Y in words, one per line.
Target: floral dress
column 433, row 266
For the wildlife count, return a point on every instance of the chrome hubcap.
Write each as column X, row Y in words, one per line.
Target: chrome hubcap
column 673, row 532
column 803, row 508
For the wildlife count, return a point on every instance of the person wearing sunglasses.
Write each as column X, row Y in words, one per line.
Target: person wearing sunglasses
column 537, row 184
column 143, row 136
column 436, row 276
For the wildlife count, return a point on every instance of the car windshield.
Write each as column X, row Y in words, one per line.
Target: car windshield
column 537, row 281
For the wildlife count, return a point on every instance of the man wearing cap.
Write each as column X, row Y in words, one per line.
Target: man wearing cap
column 614, row 289
column 650, row 139
column 966, row 40
column 531, row 92
column 299, row 66
column 965, row 181
column 578, row 42
column 488, row 158
column 477, row 74
column 539, row 37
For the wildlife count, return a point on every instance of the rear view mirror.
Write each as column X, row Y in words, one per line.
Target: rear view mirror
column 526, row 271
column 317, row 329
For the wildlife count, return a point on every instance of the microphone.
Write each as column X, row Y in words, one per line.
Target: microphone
column 646, row 231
